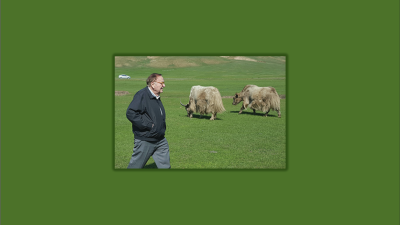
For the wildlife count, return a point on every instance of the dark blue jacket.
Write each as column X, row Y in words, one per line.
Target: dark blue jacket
column 144, row 111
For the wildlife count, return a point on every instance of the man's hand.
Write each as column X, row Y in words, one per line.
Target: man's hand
column 152, row 125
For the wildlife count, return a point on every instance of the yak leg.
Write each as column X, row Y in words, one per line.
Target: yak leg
column 279, row 113
column 241, row 109
column 266, row 114
column 213, row 116
column 254, row 111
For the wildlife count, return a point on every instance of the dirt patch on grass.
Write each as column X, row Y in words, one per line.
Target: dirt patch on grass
column 280, row 58
column 170, row 62
column 212, row 60
column 173, row 61
column 129, row 61
column 120, row 93
column 239, row 58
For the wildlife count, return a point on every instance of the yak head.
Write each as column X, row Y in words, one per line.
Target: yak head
column 237, row 99
column 187, row 107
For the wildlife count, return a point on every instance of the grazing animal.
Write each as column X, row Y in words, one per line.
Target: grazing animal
column 258, row 98
column 204, row 100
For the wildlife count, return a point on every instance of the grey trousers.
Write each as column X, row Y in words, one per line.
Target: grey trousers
column 144, row 149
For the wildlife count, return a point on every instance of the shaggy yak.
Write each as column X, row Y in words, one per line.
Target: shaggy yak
column 258, row 98
column 204, row 100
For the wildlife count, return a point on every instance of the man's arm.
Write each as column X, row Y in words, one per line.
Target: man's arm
column 136, row 112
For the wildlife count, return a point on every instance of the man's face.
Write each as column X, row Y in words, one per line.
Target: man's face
column 158, row 85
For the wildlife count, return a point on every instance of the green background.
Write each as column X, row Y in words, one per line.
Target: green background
column 57, row 112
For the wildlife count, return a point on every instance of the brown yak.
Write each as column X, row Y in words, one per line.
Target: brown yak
column 204, row 100
column 258, row 98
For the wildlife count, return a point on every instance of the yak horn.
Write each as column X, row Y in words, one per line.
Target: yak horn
column 183, row 104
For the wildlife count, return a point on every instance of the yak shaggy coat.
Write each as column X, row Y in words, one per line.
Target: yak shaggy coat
column 204, row 100
column 258, row 98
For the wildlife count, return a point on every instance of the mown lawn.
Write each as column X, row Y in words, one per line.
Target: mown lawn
column 233, row 141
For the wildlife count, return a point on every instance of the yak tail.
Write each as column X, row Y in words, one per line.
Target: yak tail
column 218, row 105
column 275, row 102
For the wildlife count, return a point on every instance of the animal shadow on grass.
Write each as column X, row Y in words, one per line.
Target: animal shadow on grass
column 197, row 116
column 251, row 113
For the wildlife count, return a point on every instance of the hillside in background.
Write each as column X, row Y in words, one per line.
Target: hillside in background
column 228, row 73
column 190, row 61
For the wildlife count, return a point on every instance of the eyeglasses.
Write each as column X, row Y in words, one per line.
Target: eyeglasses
column 159, row 82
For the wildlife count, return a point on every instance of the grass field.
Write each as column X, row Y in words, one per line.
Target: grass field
column 232, row 141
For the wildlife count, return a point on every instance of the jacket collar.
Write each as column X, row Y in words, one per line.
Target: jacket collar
column 152, row 95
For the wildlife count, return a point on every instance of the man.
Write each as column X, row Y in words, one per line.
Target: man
column 147, row 115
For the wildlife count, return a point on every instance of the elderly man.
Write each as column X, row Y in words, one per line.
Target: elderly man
column 147, row 115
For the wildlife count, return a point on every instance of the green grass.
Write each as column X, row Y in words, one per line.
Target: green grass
column 233, row 141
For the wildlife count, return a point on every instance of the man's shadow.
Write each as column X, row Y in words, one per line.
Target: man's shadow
column 150, row 166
